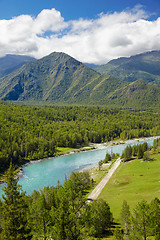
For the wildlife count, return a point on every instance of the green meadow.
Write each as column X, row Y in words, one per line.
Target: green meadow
column 133, row 181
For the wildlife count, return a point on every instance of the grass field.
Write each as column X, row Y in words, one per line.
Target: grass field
column 133, row 181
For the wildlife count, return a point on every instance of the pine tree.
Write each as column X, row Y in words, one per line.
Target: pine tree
column 14, row 209
column 125, row 218
column 60, row 217
column 98, row 218
column 141, row 221
column 127, row 154
column 155, row 215
column 39, row 218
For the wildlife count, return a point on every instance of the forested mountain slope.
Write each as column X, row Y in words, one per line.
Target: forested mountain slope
column 137, row 95
column 57, row 78
column 60, row 79
column 145, row 66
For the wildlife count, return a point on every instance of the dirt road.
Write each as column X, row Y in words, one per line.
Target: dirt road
column 95, row 193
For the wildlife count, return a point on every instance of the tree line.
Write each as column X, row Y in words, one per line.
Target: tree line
column 143, row 222
column 62, row 213
column 58, row 213
column 130, row 152
column 30, row 133
column 137, row 150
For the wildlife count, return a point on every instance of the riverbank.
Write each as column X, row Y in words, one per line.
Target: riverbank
column 91, row 147
column 100, row 146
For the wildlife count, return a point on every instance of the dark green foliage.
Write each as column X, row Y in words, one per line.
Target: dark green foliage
column 53, row 212
column 30, row 133
column 38, row 215
column 156, row 143
column 60, row 217
column 67, row 214
column 107, row 158
column 143, row 222
column 100, row 163
column 98, row 218
column 80, row 181
column 155, row 215
column 127, row 154
column 14, row 210
column 126, row 218
column 138, row 150
column 118, row 235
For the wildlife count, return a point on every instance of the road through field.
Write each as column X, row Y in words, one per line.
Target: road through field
column 95, row 193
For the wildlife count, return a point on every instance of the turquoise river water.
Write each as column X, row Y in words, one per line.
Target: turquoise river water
column 49, row 171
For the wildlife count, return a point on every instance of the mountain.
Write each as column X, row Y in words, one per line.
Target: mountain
column 90, row 65
column 10, row 63
column 60, row 79
column 145, row 66
column 57, row 78
column 136, row 95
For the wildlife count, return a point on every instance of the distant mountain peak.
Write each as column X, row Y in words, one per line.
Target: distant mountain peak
column 11, row 63
column 60, row 79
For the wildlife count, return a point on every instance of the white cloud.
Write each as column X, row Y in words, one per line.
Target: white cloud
column 96, row 41
column 49, row 20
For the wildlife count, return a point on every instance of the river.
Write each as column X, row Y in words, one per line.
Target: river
column 49, row 171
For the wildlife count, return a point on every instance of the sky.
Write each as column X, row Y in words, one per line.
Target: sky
column 92, row 31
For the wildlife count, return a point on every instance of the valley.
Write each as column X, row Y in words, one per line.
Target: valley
column 57, row 104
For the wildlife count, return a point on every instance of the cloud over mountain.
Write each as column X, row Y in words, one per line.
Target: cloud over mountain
column 98, row 40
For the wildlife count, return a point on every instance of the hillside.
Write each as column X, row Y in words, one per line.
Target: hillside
column 60, row 79
column 137, row 95
column 57, row 78
column 145, row 66
column 10, row 63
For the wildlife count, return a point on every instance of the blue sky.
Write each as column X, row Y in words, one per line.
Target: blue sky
column 93, row 31
column 72, row 9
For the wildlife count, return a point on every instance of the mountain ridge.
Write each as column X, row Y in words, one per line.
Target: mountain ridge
column 11, row 63
column 145, row 66
column 60, row 79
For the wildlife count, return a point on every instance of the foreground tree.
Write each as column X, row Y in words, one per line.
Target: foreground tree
column 127, row 154
column 39, row 218
column 144, row 223
column 141, row 221
column 125, row 218
column 107, row 158
column 14, row 210
column 98, row 218
column 118, row 235
column 155, row 215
